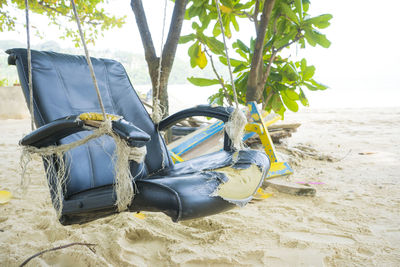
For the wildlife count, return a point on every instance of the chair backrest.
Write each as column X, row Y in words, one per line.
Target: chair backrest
column 62, row 86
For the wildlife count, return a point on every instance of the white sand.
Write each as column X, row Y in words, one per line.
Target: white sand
column 352, row 221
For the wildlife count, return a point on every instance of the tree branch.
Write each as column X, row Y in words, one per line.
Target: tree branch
column 174, row 34
column 219, row 79
column 48, row 7
column 145, row 35
column 256, row 10
column 254, row 80
column 273, row 55
column 88, row 245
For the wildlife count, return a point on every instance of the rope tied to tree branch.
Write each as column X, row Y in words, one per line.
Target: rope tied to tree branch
column 158, row 113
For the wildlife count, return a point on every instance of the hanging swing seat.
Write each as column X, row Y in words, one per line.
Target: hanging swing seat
column 62, row 95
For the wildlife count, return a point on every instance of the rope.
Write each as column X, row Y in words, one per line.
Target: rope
column 88, row 59
column 235, row 125
column 226, row 53
column 28, row 41
column 157, row 111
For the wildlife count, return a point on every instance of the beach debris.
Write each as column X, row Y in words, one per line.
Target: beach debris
column 366, row 153
column 301, row 151
column 5, row 196
column 88, row 245
column 278, row 132
column 139, row 215
column 284, row 186
column 261, row 194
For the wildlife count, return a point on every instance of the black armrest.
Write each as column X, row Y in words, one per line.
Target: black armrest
column 221, row 113
column 52, row 132
column 133, row 135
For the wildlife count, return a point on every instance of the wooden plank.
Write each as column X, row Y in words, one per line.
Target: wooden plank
column 283, row 186
column 188, row 142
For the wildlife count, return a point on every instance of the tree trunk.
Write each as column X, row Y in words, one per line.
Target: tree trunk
column 169, row 49
column 255, row 83
column 161, row 93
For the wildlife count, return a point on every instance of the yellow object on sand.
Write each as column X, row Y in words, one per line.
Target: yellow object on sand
column 5, row 196
column 139, row 215
column 242, row 183
column 261, row 194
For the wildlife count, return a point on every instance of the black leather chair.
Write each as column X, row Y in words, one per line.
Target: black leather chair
column 63, row 88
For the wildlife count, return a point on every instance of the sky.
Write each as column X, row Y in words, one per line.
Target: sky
column 361, row 67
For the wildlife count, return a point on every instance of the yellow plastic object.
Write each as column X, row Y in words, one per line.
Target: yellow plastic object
column 5, row 197
column 140, row 215
column 259, row 126
column 279, row 169
column 93, row 116
column 175, row 157
column 261, row 194
column 265, row 138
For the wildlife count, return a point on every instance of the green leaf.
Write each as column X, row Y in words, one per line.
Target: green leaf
column 314, row 37
column 234, row 22
column 289, row 103
column 192, row 52
column 309, row 37
column 308, row 73
column 321, row 21
column 320, row 86
column 322, row 40
column 202, row 81
column 311, row 87
column 195, row 26
column 239, row 44
column 290, row 72
column 275, row 77
column 281, row 27
column 240, row 68
column 276, row 102
column 289, row 12
column 306, row 5
column 187, row 38
column 299, row 7
column 234, row 62
column 291, row 94
column 285, row 40
column 303, row 99
column 217, row 29
column 303, row 64
column 215, row 46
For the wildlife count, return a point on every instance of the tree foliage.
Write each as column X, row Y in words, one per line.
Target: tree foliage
column 59, row 13
column 278, row 82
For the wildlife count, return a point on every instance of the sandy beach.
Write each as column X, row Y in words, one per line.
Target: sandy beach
column 351, row 157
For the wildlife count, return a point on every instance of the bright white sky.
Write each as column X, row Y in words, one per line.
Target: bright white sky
column 361, row 67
